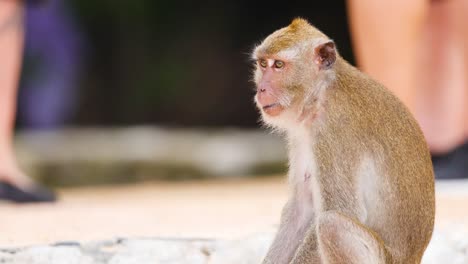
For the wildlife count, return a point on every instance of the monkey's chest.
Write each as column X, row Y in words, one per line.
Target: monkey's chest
column 303, row 177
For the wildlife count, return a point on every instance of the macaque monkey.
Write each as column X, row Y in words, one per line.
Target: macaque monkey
column 360, row 174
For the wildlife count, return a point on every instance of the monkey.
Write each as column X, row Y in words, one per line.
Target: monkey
column 361, row 182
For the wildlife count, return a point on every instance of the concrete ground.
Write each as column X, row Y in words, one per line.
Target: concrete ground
column 203, row 209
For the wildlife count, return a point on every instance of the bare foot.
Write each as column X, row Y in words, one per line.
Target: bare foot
column 16, row 186
column 11, row 173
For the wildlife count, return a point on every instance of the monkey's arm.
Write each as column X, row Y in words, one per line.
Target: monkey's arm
column 337, row 235
column 291, row 232
column 337, row 239
column 308, row 249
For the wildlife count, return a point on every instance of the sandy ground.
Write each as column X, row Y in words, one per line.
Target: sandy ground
column 211, row 209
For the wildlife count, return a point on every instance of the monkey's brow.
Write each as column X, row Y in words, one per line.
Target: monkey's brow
column 285, row 55
column 254, row 59
column 288, row 54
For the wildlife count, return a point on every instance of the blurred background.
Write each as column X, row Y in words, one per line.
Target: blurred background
column 156, row 96
column 125, row 108
column 178, row 66
column 175, row 64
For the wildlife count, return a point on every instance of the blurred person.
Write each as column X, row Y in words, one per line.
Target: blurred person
column 14, row 184
column 419, row 50
column 47, row 95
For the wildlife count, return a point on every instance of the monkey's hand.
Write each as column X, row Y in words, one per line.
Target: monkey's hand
column 307, row 253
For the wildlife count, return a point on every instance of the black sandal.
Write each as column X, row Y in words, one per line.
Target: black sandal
column 37, row 194
column 452, row 165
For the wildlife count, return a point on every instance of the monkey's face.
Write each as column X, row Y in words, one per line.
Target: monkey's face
column 281, row 86
column 290, row 87
column 271, row 97
column 291, row 67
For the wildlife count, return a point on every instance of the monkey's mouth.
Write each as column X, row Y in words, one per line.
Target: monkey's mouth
column 270, row 106
column 273, row 109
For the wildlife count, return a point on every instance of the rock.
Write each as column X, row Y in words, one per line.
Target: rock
column 446, row 247
column 50, row 255
column 162, row 251
column 247, row 251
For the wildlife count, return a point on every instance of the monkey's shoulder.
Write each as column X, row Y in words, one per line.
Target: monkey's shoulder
column 368, row 97
column 371, row 109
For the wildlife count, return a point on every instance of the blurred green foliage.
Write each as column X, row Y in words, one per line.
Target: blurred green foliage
column 181, row 62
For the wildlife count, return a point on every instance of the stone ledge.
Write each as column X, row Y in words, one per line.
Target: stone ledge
column 89, row 156
column 141, row 251
column 446, row 247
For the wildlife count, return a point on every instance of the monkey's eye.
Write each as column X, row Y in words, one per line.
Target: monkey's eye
column 279, row 64
column 263, row 63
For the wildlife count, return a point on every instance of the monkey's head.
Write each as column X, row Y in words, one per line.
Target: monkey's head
column 294, row 65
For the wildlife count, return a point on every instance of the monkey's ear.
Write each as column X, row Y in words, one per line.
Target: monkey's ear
column 325, row 55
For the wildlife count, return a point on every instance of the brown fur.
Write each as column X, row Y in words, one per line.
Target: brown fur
column 299, row 31
column 353, row 118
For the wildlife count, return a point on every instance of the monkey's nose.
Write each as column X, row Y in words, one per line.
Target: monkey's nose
column 262, row 90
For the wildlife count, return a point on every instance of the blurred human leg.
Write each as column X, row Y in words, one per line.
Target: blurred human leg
column 14, row 184
column 453, row 90
column 461, row 10
column 441, row 103
column 386, row 35
column 11, row 45
column 419, row 50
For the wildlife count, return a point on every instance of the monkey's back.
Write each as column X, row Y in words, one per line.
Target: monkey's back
column 396, row 161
